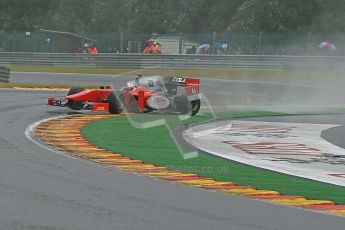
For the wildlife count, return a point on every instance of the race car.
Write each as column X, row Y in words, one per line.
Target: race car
column 176, row 95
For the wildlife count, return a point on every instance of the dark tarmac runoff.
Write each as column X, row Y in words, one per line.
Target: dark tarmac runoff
column 41, row 189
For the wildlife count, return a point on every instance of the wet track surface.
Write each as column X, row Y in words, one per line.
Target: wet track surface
column 40, row 189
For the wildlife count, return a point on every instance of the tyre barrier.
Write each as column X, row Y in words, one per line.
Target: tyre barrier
column 4, row 74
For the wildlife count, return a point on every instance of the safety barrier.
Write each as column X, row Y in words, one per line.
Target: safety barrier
column 175, row 61
column 4, row 74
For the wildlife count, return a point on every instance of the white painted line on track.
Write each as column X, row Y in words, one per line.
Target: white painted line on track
column 30, row 134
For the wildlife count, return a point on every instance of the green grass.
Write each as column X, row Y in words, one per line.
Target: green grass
column 226, row 73
column 58, row 69
column 154, row 145
column 30, row 85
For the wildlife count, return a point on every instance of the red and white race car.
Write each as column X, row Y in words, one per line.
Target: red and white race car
column 175, row 95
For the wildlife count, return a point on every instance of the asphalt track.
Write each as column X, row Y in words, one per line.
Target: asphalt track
column 40, row 189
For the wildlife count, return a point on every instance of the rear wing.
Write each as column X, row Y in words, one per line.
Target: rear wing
column 191, row 84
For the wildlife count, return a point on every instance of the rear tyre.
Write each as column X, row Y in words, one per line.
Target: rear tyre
column 75, row 105
column 115, row 103
column 182, row 104
column 195, row 106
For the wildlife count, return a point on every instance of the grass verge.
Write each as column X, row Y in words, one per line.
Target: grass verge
column 63, row 69
column 154, row 145
column 30, row 85
column 226, row 73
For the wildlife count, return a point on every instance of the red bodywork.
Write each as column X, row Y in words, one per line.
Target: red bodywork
column 92, row 95
column 192, row 85
column 96, row 96
column 143, row 94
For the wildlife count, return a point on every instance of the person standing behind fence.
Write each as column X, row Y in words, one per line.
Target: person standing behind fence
column 203, row 49
column 85, row 49
column 48, row 46
column 92, row 49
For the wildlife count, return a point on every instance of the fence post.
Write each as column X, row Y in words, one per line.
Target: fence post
column 180, row 43
column 14, row 41
column 260, row 43
column 121, row 42
column 214, row 36
column 309, row 43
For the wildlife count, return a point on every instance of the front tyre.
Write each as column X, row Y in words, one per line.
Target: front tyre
column 115, row 104
column 72, row 104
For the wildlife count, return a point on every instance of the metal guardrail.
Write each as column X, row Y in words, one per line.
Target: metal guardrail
column 4, row 74
column 174, row 61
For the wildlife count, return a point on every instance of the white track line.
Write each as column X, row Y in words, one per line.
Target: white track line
column 30, row 134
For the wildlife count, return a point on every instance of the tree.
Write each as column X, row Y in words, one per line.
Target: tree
column 174, row 16
column 275, row 16
column 67, row 15
column 22, row 14
column 109, row 16
column 330, row 17
column 220, row 14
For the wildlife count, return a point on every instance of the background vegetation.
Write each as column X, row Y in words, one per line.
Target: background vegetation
column 172, row 16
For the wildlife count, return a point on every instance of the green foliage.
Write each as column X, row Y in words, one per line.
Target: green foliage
column 275, row 15
column 173, row 16
column 22, row 14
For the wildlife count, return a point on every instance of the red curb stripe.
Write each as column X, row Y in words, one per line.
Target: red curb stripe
column 177, row 178
column 152, row 170
column 57, row 141
column 272, row 196
column 229, row 186
column 107, row 157
column 87, row 156
column 218, row 184
column 81, row 145
column 120, row 163
column 95, row 151
column 64, row 139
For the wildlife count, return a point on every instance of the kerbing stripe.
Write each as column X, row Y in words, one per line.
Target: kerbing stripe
column 63, row 133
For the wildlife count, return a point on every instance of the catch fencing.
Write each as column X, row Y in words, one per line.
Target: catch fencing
column 175, row 61
column 119, row 42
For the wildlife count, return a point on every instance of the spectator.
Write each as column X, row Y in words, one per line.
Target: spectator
column 222, row 48
column 48, row 47
column 152, row 46
column 203, row 49
column 92, row 49
column 86, row 49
